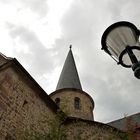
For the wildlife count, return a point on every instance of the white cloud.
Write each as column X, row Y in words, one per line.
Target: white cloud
column 37, row 6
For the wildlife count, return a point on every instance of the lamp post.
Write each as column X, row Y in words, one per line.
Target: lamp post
column 121, row 42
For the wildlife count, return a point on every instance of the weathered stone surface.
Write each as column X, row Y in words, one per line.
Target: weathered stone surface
column 67, row 103
column 90, row 130
column 21, row 107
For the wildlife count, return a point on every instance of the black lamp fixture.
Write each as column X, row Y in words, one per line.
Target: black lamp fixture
column 121, row 42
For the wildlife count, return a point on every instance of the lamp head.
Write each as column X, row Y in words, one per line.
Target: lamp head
column 121, row 42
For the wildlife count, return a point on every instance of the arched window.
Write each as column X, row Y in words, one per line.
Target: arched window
column 77, row 103
column 57, row 101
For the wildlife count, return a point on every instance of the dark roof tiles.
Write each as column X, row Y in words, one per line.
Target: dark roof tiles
column 123, row 123
column 69, row 76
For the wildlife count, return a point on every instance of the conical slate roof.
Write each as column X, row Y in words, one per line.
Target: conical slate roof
column 69, row 76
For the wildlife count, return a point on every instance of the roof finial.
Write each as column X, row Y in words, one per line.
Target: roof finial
column 70, row 46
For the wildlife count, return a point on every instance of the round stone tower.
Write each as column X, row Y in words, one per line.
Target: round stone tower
column 69, row 95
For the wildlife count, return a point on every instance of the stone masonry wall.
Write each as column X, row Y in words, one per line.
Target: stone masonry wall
column 3, row 60
column 79, row 130
column 21, row 108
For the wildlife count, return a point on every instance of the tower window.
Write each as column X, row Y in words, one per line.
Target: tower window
column 77, row 103
column 57, row 101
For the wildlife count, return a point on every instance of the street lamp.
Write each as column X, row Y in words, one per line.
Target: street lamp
column 121, row 42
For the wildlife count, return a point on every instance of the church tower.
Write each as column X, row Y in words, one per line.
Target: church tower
column 69, row 95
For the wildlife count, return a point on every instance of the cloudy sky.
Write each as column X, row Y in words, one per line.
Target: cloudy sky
column 38, row 33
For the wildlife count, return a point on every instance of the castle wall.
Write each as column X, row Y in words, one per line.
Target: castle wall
column 2, row 59
column 67, row 103
column 21, row 107
column 82, row 130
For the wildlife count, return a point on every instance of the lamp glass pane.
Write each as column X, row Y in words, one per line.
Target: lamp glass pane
column 119, row 38
column 126, row 60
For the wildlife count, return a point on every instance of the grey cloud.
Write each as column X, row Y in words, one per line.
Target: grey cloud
column 124, row 10
column 38, row 57
column 117, row 93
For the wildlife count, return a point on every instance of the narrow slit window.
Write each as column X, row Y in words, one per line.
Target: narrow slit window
column 77, row 103
column 57, row 101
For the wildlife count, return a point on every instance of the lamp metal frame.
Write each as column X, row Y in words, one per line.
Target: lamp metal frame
column 128, row 49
